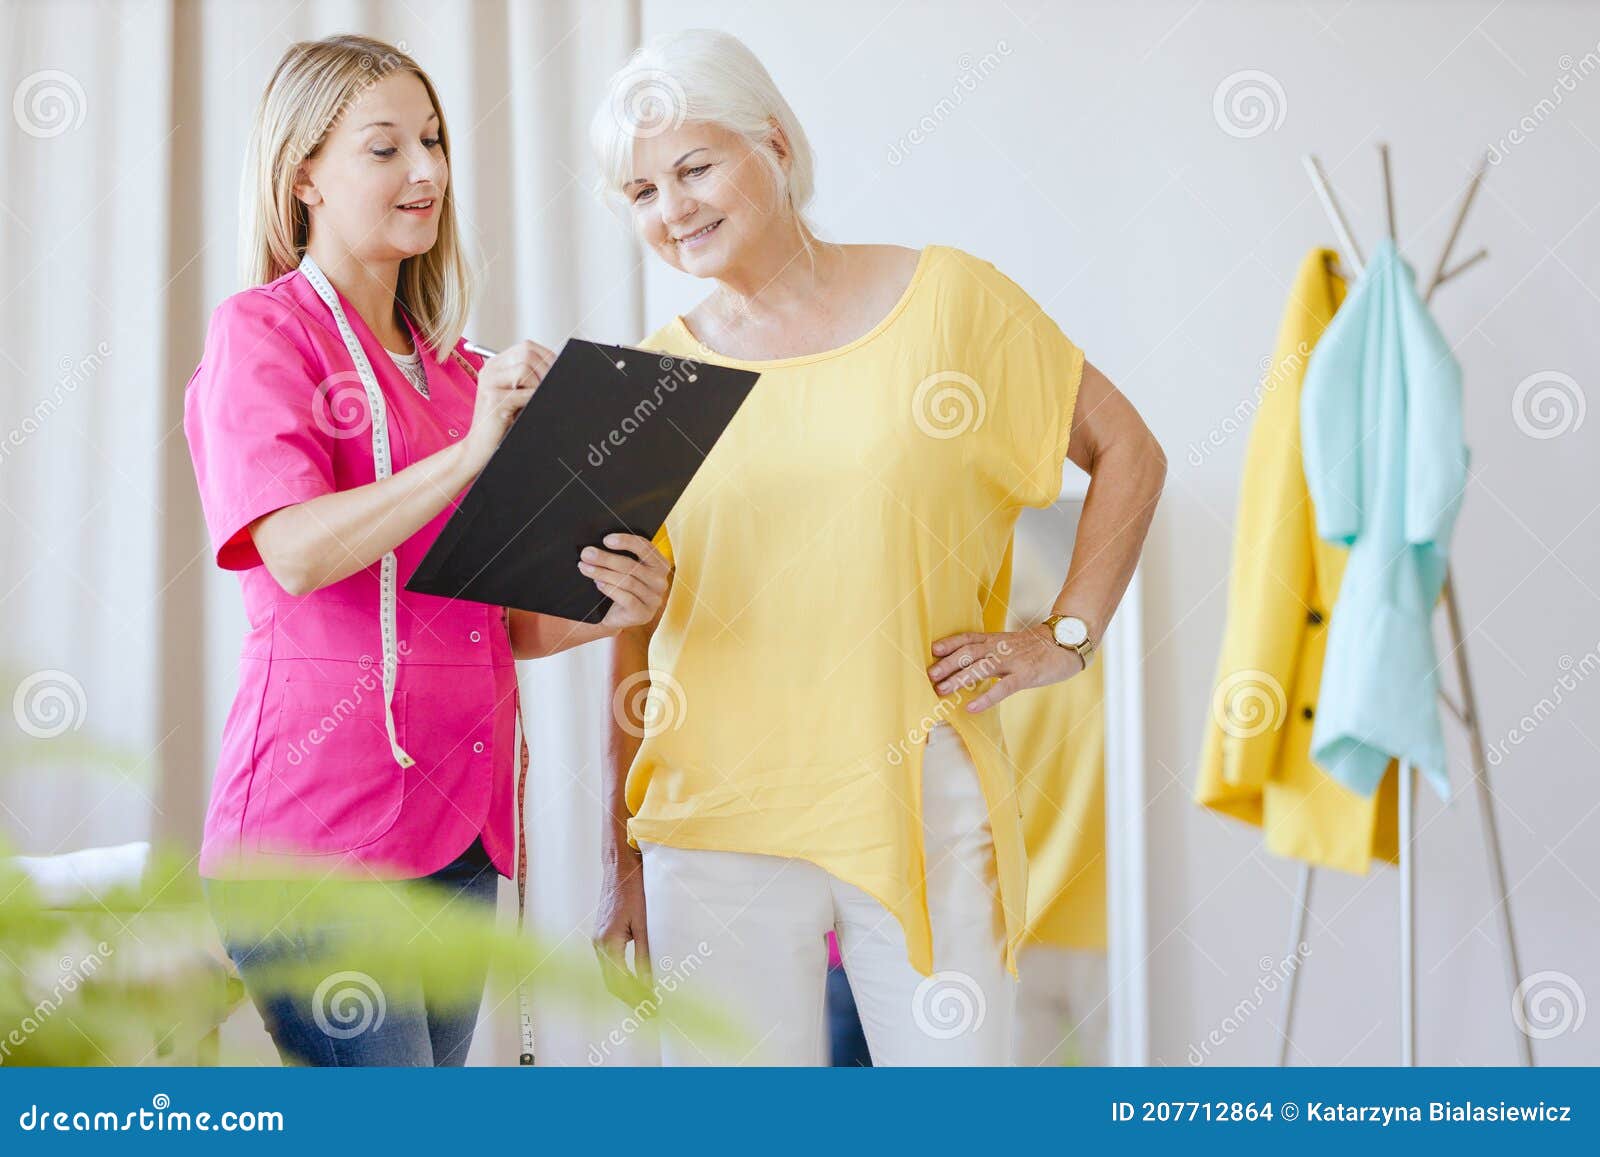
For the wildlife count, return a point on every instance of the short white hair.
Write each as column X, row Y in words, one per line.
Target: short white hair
column 705, row 76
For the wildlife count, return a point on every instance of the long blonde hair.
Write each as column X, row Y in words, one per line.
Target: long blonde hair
column 313, row 85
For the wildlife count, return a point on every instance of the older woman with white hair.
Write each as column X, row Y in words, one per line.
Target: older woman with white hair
column 815, row 750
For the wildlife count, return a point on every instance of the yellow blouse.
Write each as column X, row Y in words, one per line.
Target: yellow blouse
column 1057, row 736
column 858, row 507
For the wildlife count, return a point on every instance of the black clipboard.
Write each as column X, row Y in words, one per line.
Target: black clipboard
column 607, row 443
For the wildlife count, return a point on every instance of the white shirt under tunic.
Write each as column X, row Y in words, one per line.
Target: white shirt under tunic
column 411, row 366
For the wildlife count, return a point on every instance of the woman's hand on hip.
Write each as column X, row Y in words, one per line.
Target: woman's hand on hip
column 636, row 586
column 621, row 919
column 505, row 385
column 1015, row 660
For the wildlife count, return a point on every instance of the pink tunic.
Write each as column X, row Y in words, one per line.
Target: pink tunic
column 275, row 414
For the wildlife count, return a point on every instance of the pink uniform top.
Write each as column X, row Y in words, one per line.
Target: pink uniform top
column 276, row 414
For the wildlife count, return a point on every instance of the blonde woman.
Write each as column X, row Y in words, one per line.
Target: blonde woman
column 334, row 421
column 817, row 751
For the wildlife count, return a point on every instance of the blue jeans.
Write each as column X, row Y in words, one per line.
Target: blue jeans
column 353, row 1019
column 846, row 1039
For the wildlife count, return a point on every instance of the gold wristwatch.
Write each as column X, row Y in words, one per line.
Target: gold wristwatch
column 1071, row 632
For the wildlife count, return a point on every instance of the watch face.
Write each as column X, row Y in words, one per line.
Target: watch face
column 1071, row 631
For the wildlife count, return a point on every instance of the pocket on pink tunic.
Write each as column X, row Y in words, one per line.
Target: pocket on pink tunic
column 333, row 785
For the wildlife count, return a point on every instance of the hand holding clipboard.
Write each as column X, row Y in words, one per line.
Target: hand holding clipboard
column 606, row 444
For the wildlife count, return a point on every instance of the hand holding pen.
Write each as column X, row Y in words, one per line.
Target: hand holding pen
column 505, row 385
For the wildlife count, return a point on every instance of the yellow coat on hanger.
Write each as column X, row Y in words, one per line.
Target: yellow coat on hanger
column 1255, row 762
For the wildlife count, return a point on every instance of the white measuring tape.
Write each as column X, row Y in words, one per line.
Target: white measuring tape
column 382, row 467
column 524, row 1005
column 387, row 597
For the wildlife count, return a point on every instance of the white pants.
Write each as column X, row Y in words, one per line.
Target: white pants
column 744, row 933
column 1062, row 1018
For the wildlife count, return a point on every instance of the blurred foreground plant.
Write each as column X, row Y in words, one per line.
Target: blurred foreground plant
column 131, row 975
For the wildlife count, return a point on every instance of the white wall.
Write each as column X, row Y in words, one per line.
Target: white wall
column 1088, row 163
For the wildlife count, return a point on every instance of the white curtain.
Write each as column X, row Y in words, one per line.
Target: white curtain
column 119, row 173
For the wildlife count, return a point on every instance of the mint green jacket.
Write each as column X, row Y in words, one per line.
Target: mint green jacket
column 1381, row 429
